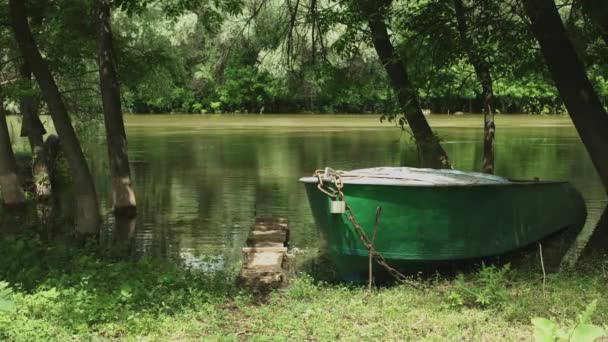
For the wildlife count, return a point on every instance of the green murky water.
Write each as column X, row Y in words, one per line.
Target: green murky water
column 200, row 181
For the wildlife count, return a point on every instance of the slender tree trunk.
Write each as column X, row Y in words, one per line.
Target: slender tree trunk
column 489, row 125
column 484, row 75
column 12, row 193
column 31, row 126
column 433, row 154
column 87, row 214
column 124, row 234
column 581, row 100
column 122, row 193
column 597, row 10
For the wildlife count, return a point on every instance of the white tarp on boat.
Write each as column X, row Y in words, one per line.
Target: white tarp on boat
column 412, row 176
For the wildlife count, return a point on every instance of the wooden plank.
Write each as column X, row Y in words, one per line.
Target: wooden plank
column 268, row 238
column 265, row 258
column 264, row 249
column 269, row 226
column 271, row 223
column 265, row 261
column 261, row 279
column 277, row 219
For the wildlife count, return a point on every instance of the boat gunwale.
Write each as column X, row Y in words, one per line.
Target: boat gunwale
column 511, row 182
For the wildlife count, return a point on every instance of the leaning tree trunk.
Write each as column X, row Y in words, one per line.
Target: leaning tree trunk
column 581, row 100
column 87, row 214
column 597, row 245
column 597, row 11
column 12, row 193
column 433, row 154
column 32, row 128
column 122, row 193
column 482, row 69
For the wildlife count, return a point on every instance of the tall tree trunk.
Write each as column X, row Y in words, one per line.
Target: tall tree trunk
column 12, row 193
column 581, row 100
column 484, row 76
column 32, row 128
column 87, row 214
column 597, row 10
column 598, row 241
column 433, row 154
column 122, row 194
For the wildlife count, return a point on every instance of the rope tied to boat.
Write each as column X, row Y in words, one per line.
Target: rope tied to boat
column 333, row 188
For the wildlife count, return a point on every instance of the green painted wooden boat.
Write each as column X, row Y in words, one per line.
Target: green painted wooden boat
column 440, row 215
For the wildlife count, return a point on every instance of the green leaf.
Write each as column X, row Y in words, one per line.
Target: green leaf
column 126, row 291
column 5, row 303
column 587, row 332
column 544, row 329
column 585, row 316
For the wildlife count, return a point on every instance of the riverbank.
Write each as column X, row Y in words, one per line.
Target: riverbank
column 56, row 292
column 334, row 121
column 184, row 123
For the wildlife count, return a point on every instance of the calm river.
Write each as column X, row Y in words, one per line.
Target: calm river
column 201, row 180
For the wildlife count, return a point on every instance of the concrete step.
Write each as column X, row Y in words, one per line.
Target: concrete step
column 265, row 261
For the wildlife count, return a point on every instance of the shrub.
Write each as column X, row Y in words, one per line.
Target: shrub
column 488, row 288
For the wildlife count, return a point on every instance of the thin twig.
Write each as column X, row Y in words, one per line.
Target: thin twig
column 8, row 81
column 256, row 11
column 542, row 265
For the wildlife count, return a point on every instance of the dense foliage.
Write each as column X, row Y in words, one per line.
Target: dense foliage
column 260, row 56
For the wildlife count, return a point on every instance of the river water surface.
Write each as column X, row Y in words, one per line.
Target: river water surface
column 201, row 180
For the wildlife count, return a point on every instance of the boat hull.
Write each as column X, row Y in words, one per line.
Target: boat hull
column 444, row 223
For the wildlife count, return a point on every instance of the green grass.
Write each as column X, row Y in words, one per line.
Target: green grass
column 57, row 292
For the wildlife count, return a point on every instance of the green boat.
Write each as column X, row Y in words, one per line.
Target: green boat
column 432, row 215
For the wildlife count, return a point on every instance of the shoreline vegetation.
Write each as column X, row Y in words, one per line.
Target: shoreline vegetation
column 53, row 291
column 342, row 120
column 304, row 121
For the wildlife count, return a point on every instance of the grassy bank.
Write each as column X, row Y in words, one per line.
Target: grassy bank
column 56, row 292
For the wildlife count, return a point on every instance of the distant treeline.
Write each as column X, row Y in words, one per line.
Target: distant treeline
column 276, row 56
column 249, row 79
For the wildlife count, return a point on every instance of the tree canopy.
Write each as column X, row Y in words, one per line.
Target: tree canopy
column 200, row 56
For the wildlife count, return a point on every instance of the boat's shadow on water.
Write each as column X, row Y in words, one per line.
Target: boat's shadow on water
column 547, row 255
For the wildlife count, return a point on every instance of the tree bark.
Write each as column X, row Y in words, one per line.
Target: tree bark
column 122, row 193
column 597, row 10
column 581, row 100
column 87, row 216
column 31, row 126
column 484, row 76
column 433, row 154
column 12, row 193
